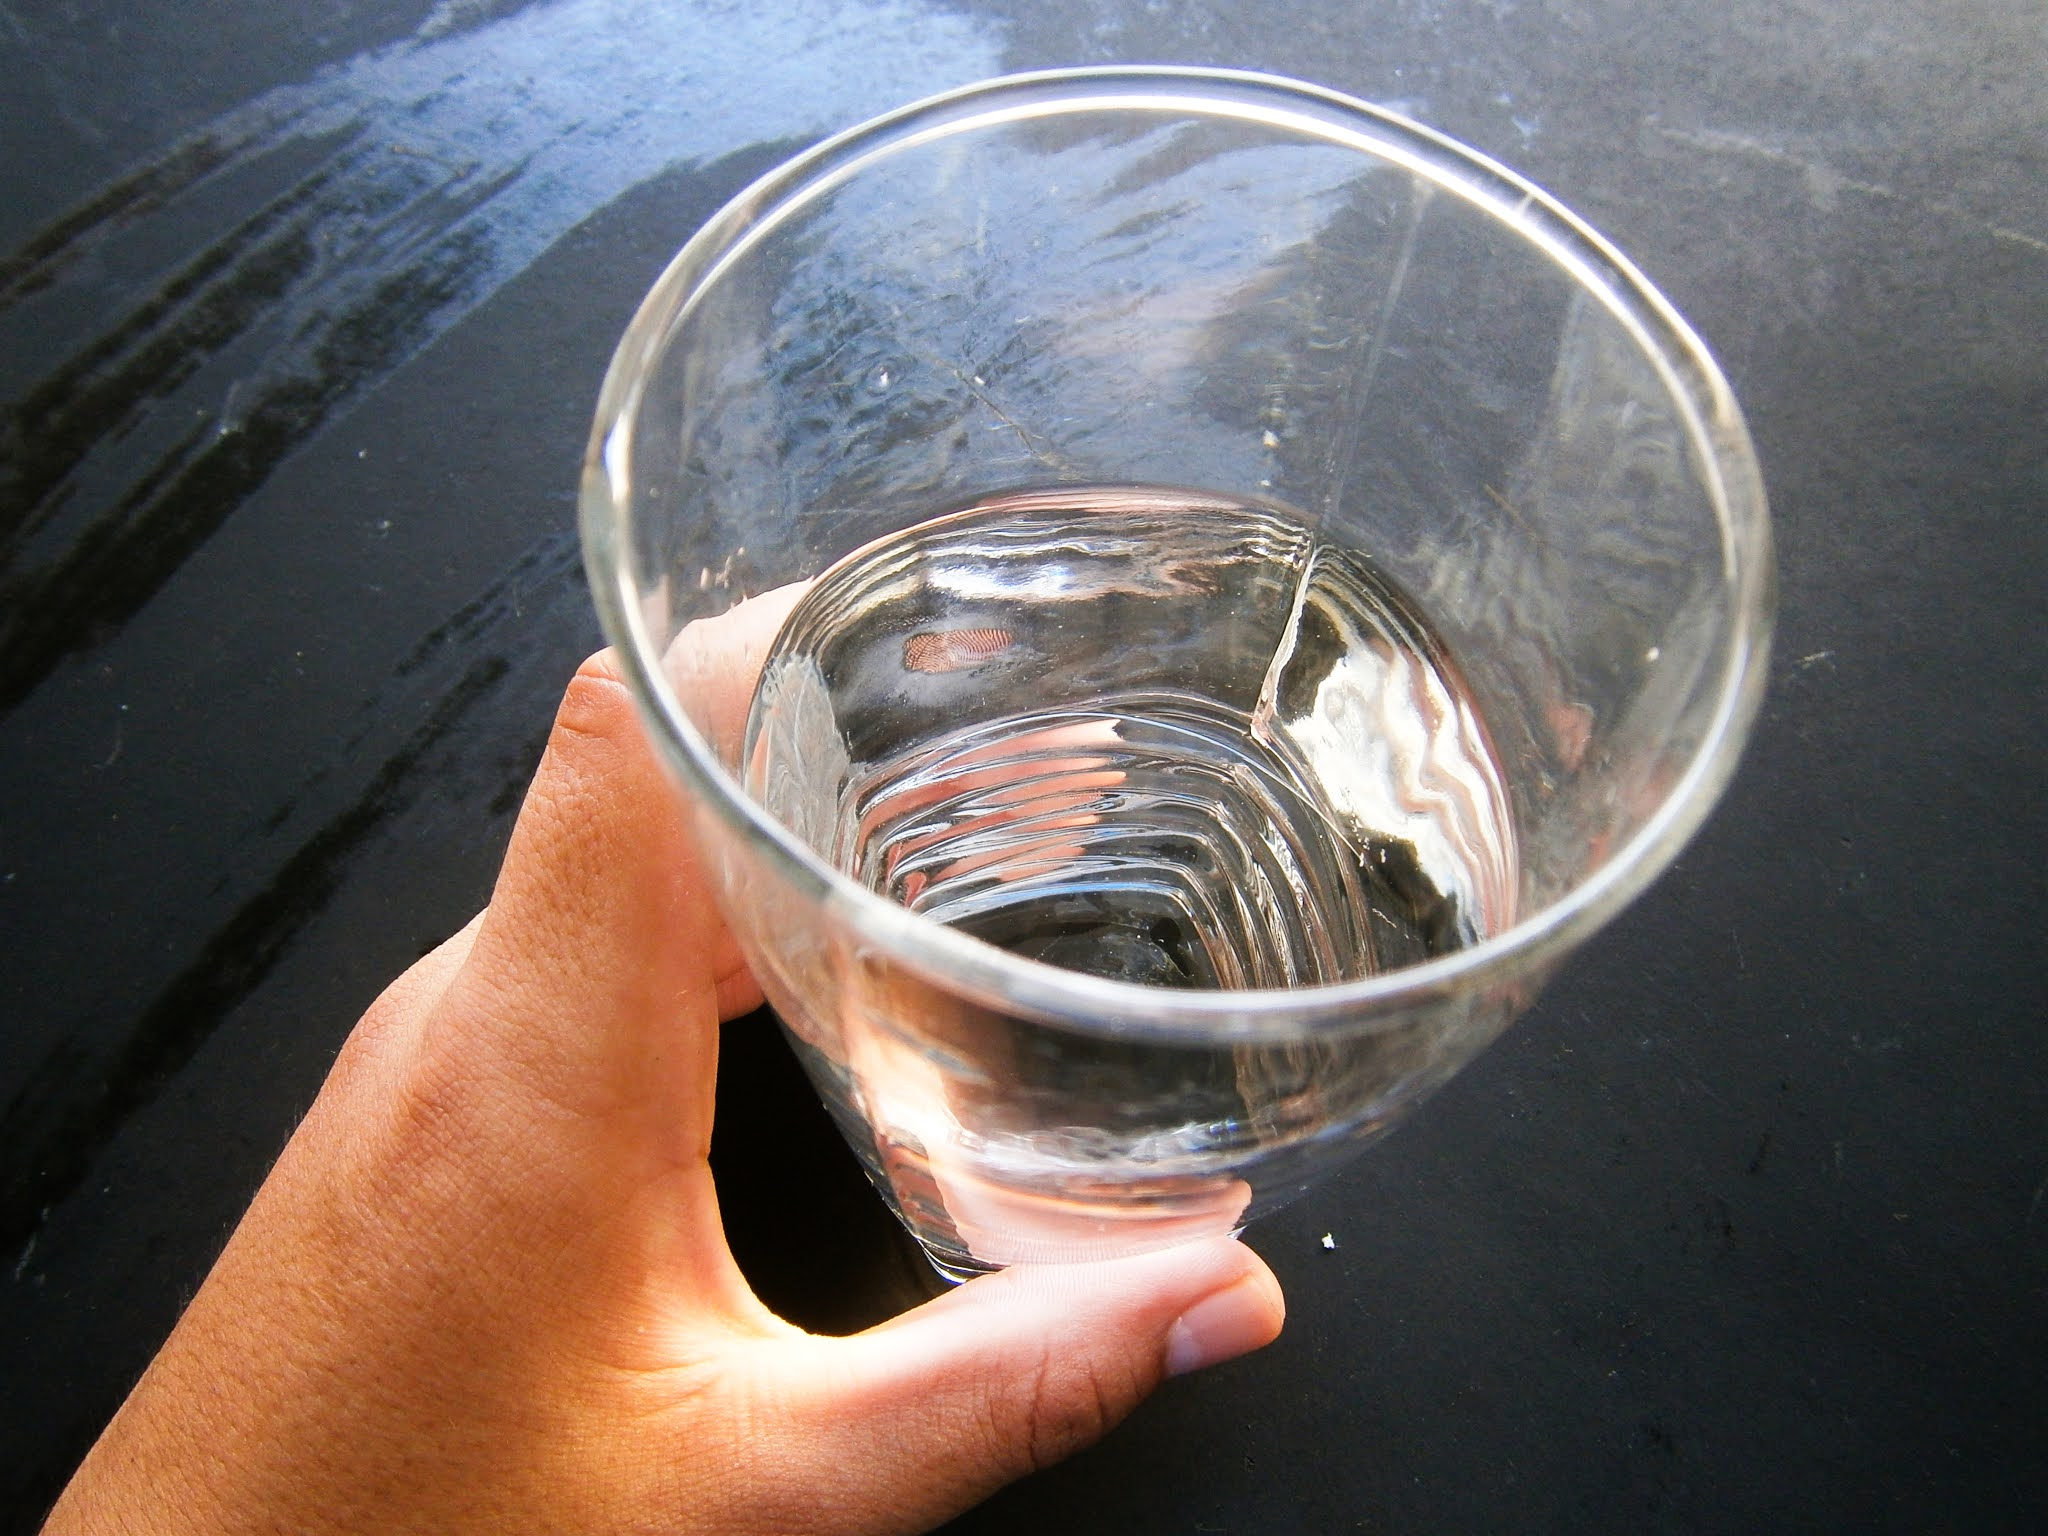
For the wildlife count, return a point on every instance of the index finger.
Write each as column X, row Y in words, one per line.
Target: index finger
column 714, row 664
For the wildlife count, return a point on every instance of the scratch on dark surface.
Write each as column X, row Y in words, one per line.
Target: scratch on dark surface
column 547, row 561
column 1824, row 184
column 1036, row 444
column 38, row 262
column 46, row 434
column 551, row 564
column 73, row 1104
column 120, row 739
column 364, row 212
column 121, row 559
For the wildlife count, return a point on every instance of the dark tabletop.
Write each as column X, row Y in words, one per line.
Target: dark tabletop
column 303, row 311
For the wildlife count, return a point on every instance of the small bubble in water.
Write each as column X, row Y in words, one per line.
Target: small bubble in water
column 880, row 379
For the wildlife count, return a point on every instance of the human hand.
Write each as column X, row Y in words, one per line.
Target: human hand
column 486, row 1287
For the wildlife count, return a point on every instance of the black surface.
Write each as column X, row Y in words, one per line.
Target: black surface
column 1746, row 1226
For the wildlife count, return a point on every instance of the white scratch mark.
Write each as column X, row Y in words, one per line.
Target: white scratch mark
column 226, row 419
column 1824, row 184
column 114, row 756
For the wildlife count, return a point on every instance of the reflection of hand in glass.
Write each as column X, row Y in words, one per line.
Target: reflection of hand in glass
column 969, row 1144
column 1001, row 1222
column 485, row 1288
column 714, row 664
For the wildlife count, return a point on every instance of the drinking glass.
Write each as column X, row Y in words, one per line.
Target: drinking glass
column 1175, row 598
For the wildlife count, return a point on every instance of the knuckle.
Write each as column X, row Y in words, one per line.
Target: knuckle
column 602, row 663
column 1067, row 1405
column 597, row 703
column 429, row 1136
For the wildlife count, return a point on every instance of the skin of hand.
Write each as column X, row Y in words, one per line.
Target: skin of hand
column 485, row 1287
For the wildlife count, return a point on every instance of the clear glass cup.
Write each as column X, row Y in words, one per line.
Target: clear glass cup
column 1286, row 305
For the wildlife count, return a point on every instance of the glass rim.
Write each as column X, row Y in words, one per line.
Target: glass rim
column 1521, row 953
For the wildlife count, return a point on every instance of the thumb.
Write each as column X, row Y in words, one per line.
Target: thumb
column 932, row 1411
